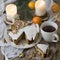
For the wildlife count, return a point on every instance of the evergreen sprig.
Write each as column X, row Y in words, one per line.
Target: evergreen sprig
column 23, row 10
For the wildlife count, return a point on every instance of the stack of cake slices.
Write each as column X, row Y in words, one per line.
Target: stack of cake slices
column 29, row 33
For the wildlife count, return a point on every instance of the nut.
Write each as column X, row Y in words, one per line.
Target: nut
column 21, row 55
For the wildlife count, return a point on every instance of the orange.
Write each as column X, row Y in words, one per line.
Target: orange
column 31, row 4
column 37, row 20
column 55, row 8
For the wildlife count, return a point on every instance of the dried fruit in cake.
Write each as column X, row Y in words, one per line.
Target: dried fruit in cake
column 13, row 29
column 19, row 24
column 55, row 8
column 31, row 4
column 37, row 20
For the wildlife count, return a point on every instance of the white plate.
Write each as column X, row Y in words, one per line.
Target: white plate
column 22, row 44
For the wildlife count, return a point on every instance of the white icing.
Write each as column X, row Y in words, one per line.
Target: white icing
column 15, row 36
column 43, row 47
column 37, row 26
column 30, row 32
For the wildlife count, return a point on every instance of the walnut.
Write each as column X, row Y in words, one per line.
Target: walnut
column 21, row 55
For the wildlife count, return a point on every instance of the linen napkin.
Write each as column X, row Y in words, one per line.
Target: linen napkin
column 10, row 52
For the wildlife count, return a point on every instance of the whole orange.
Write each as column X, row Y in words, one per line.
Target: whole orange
column 37, row 20
column 31, row 4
